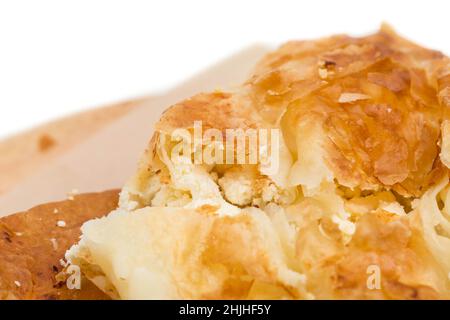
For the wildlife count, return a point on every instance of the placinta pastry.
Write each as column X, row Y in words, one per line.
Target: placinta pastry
column 358, row 205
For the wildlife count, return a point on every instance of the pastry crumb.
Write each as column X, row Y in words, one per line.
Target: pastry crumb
column 61, row 223
column 71, row 195
column 54, row 243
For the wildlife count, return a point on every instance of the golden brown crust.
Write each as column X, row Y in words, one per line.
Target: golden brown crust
column 31, row 246
column 380, row 100
column 218, row 110
column 377, row 98
column 395, row 248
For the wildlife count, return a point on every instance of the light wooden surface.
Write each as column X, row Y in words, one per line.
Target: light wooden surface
column 28, row 152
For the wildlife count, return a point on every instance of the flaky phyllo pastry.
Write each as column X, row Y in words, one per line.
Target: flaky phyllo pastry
column 359, row 207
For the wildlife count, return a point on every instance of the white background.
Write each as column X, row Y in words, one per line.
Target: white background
column 57, row 57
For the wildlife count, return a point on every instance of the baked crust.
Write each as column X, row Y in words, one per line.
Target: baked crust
column 380, row 101
column 32, row 245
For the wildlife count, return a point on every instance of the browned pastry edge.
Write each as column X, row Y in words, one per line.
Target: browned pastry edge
column 32, row 245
